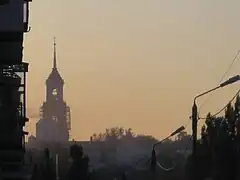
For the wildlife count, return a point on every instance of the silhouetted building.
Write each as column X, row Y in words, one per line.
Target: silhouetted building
column 13, row 24
column 54, row 123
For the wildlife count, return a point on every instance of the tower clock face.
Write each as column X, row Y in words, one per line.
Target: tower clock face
column 54, row 92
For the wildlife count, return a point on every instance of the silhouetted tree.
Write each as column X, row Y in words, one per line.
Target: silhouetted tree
column 181, row 136
column 113, row 134
column 167, row 152
column 129, row 133
column 219, row 144
column 47, row 167
column 79, row 167
column 35, row 173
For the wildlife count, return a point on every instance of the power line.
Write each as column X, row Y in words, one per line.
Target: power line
column 165, row 169
column 225, row 73
column 186, row 125
column 188, row 122
column 218, row 112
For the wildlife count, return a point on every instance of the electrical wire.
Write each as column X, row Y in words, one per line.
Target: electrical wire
column 162, row 167
column 133, row 166
column 174, row 165
column 225, row 73
column 165, row 169
column 218, row 112
column 187, row 124
column 143, row 158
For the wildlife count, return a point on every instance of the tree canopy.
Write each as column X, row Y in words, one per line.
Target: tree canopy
column 218, row 148
column 118, row 133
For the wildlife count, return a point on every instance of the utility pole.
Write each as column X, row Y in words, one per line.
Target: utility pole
column 57, row 166
column 195, row 118
column 194, row 139
column 195, row 110
column 194, row 128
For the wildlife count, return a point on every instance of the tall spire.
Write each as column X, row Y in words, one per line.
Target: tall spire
column 54, row 55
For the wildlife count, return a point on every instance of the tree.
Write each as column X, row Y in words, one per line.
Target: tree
column 129, row 133
column 94, row 137
column 218, row 149
column 181, row 136
column 230, row 118
column 113, row 134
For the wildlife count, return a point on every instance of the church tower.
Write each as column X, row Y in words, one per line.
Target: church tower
column 54, row 123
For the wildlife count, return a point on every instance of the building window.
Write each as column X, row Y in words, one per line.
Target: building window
column 54, row 92
column 54, row 118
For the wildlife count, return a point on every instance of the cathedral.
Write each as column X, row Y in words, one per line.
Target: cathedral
column 54, row 124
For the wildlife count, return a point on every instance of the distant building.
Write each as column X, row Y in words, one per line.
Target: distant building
column 54, row 123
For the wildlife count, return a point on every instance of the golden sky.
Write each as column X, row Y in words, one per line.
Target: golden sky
column 133, row 63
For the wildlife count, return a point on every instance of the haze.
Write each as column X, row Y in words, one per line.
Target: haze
column 133, row 63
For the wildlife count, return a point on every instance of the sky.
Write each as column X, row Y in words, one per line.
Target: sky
column 132, row 63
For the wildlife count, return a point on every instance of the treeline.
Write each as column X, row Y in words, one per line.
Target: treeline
column 218, row 154
column 120, row 136
column 118, row 133
column 218, row 151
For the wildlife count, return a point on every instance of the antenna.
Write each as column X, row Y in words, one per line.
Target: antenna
column 55, row 54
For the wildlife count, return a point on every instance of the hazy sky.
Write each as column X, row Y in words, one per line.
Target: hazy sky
column 134, row 63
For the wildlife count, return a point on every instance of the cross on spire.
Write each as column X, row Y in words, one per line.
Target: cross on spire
column 55, row 54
